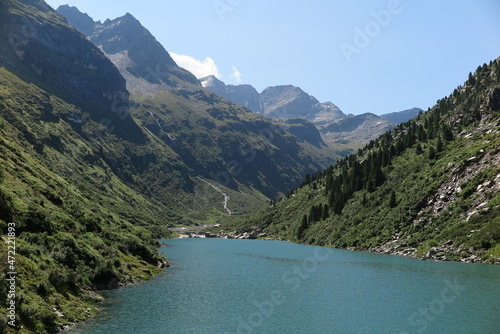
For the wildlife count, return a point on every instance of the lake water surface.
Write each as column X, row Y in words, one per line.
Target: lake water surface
column 250, row 286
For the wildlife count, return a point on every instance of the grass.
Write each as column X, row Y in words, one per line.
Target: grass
column 432, row 205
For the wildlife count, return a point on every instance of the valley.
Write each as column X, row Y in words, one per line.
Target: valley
column 108, row 146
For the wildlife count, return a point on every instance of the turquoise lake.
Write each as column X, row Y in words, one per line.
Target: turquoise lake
column 251, row 286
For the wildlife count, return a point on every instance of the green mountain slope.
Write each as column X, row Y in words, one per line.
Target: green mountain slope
column 91, row 178
column 217, row 140
column 428, row 188
column 77, row 223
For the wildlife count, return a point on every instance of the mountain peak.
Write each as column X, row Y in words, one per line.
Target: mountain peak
column 211, row 81
column 127, row 19
column 243, row 95
column 81, row 21
column 141, row 59
column 288, row 101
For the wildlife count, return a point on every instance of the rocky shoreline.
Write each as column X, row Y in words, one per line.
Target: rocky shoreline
column 254, row 234
column 444, row 252
column 95, row 297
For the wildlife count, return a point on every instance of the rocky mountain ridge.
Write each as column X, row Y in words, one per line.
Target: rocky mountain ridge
column 343, row 133
column 243, row 95
column 196, row 123
column 141, row 59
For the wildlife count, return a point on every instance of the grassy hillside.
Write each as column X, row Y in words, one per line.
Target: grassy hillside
column 91, row 179
column 428, row 188
column 227, row 143
column 77, row 223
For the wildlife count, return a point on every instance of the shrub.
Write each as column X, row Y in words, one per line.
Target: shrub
column 36, row 221
column 6, row 206
column 104, row 273
column 42, row 287
column 64, row 280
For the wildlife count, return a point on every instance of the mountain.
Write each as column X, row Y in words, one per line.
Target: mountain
column 214, row 138
column 141, row 59
column 401, row 116
column 348, row 134
column 343, row 133
column 429, row 188
column 67, row 67
column 73, row 168
column 288, row 102
column 81, row 21
column 243, row 95
column 102, row 147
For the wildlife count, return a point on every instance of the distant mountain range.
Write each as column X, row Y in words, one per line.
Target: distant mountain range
column 344, row 133
column 141, row 59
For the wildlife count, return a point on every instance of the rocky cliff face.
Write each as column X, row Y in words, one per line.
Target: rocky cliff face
column 81, row 21
column 243, row 95
column 141, row 59
column 328, row 113
column 39, row 46
column 289, row 102
column 303, row 130
column 56, row 56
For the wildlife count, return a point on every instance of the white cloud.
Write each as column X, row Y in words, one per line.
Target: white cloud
column 200, row 68
column 236, row 74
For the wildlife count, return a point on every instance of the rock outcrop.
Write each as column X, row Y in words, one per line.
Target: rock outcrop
column 243, row 95
column 141, row 59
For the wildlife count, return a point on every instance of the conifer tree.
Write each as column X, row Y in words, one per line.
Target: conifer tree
column 432, row 153
column 419, row 149
column 392, row 200
column 439, row 145
column 325, row 213
column 302, row 227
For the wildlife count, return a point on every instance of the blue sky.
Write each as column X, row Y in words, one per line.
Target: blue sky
column 375, row 56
